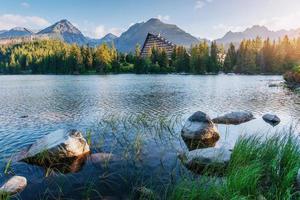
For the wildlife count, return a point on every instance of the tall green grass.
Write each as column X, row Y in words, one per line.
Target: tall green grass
column 259, row 168
column 4, row 195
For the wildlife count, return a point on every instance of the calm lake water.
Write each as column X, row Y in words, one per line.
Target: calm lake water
column 84, row 102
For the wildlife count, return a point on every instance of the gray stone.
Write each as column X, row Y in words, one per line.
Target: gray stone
column 199, row 117
column 14, row 185
column 57, row 146
column 209, row 158
column 235, row 118
column 271, row 119
column 273, row 85
column 199, row 131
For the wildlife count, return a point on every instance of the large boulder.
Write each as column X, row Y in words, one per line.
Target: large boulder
column 271, row 119
column 14, row 185
column 235, row 118
column 58, row 147
column 209, row 160
column 199, row 131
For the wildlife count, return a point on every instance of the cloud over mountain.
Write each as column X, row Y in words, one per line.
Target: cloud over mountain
column 9, row 21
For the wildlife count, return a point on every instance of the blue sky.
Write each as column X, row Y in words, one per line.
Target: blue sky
column 203, row 18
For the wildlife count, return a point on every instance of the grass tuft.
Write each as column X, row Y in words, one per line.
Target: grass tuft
column 258, row 168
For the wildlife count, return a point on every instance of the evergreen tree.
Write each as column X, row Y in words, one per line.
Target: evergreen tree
column 230, row 59
column 214, row 64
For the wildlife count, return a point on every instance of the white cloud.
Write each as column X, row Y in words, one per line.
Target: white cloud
column 93, row 30
column 25, row 5
column 100, row 31
column 163, row 17
column 201, row 3
column 8, row 21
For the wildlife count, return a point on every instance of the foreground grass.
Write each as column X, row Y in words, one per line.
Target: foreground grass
column 259, row 169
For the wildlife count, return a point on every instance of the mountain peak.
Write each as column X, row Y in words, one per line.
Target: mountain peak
column 64, row 21
column 108, row 38
column 15, row 32
column 154, row 20
column 110, row 35
column 20, row 29
column 66, row 30
column 138, row 32
column 253, row 32
column 62, row 26
column 257, row 28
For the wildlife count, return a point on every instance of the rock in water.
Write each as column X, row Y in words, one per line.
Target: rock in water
column 14, row 185
column 57, row 147
column 213, row 160
column 199, row 131
column 234, row 118
column 273, row 85
column 271, row 119
column 103, row 158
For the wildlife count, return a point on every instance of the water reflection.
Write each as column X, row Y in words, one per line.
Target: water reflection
column 82, row 102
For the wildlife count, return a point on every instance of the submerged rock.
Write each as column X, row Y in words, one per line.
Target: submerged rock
column 23, row 116
column 14, row 185
column 58, row 147
column 210, row 159
column 271, row 119
column 273, row 85
column 199, row 131
column 234, row 118
column 103, row 158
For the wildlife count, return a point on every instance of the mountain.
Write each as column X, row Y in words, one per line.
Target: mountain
column 65, row 30
column 137, row 33
column 109, row 38
column 16, row 32
column 255, row 31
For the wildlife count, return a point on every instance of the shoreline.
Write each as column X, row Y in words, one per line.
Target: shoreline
column 183, row 74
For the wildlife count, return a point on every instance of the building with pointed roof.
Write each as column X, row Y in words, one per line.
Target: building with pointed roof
column 153, row 40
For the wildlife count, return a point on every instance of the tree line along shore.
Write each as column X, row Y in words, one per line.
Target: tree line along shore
column 255, row 56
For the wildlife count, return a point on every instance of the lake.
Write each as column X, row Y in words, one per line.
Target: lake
column 109, row 105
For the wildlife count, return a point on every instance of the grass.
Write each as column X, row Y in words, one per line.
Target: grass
column 89, row 137
column 265, row 168
column 8, row 167
column 4, row 196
